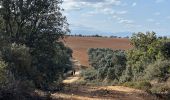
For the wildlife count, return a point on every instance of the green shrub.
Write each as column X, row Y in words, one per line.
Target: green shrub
column 143, row 85
column 127, row 75
column 160, row 89
column 102, row 73
column 165, row 50
column 108, row 63
column 129, row 84
column 144, row 61
column 111, row 74
column 89, row 74
column 160, row 69
column 3, row 73
column 19, row 61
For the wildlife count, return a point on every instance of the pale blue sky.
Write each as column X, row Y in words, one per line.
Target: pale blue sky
column 114, row 16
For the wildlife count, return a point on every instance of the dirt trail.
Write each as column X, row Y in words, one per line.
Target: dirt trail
column 74, row 91
column 72, row 79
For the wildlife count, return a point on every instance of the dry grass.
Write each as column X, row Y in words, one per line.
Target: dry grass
column 75, row 91
column 82, row 92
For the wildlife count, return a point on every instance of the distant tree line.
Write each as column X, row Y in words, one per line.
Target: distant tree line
column 112, row 36
column 80, row 35
column 96, row 35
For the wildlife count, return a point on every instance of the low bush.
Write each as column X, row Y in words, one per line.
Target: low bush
column 3, row 73
column 19, row 61
column 159, row 70
column 160, row 89
column 89, row 74
column 166, row 50
column 143, row 85
column 108, row 63
column 81, row 82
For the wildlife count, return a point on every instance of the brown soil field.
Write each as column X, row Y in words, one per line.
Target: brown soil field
column 80, row 46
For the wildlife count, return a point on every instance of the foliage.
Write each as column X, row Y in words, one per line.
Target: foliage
column 89, row 74
column 166, row 50
column 19, row 61
column 50, row 65
column 160, row 89
column 25, row 19
column 141, row 40
column 160, row 69
column 147, row 50
column 147, row 61
column 29, row 40
column 126, row 75
column 108, row 63
column 12, row 89
column 3, row 77
column 143, row 85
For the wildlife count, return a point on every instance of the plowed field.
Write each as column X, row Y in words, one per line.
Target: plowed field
column 80, row 46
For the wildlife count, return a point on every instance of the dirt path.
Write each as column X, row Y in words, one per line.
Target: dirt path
column 72, row 79
column 74, row 91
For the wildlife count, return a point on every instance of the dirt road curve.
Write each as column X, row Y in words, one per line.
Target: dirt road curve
column 74, row 91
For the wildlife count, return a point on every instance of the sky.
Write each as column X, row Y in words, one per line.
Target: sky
column 114, row 17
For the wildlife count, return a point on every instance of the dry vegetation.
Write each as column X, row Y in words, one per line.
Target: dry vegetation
column 80, row 45
column 74, row 90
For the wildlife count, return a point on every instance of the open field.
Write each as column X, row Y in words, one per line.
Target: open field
column 80, row 46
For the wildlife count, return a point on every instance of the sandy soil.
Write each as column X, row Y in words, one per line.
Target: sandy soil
column 74, row 91
column 72, row 79
column 80, row 46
